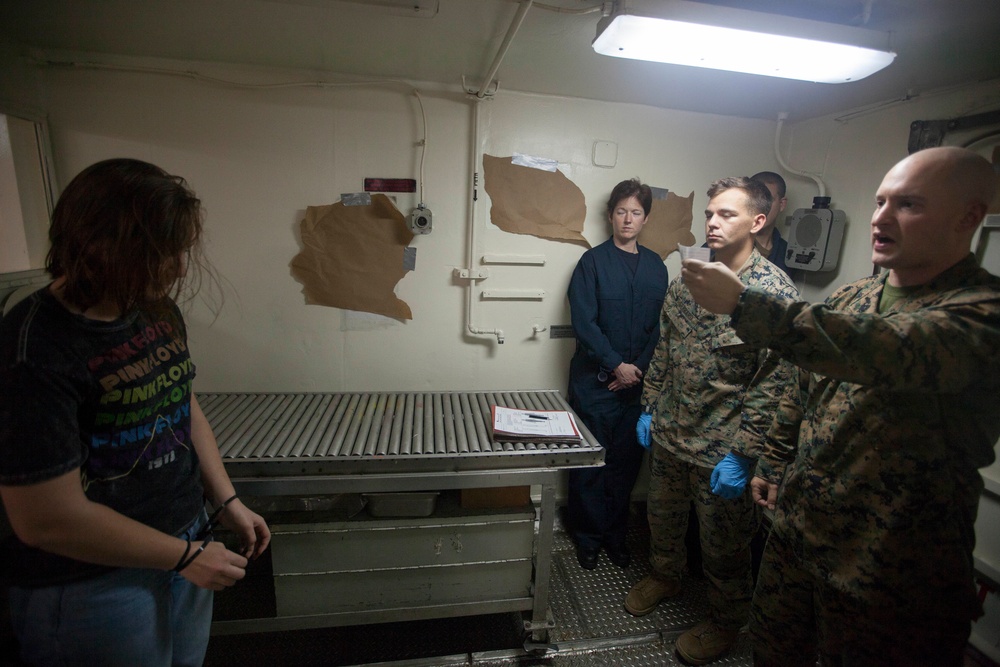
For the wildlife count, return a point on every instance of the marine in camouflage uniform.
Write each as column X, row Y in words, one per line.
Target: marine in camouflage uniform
column 869, row 560
column 707, row 390
column 880, row 502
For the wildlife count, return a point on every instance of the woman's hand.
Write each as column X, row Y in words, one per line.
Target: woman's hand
column 215, row 567
column 250, row 527
column 626, row 375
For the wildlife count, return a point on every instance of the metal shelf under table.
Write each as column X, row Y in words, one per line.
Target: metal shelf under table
column 307, row 444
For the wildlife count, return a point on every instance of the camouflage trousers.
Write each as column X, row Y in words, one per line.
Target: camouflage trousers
column 798, row 618
column 727, row 528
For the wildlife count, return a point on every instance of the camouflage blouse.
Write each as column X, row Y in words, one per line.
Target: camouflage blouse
column 895, row 414
column 710, row 391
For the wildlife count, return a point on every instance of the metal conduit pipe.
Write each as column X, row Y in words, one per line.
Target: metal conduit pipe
column 515, row 25
column 777, row 154
column 471, row 273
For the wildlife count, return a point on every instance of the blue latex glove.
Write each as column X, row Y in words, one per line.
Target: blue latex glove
column 642, row 429
column 731, row 475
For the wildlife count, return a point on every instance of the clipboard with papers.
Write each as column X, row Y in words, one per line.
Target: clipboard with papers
column 515, row 425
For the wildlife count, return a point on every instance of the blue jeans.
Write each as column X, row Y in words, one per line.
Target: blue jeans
column 128, row 617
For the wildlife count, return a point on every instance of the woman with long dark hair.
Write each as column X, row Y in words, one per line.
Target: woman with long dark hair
column 106, row 459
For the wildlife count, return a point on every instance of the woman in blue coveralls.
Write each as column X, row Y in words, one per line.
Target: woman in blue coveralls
column 615, row 297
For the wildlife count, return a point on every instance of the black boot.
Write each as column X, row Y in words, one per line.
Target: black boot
column 587, row 556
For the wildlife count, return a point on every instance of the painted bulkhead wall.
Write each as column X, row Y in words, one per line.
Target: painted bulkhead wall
column 258, row 157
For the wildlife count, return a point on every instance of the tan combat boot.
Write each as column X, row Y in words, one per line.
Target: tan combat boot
column 705, row 642
column 649, row 592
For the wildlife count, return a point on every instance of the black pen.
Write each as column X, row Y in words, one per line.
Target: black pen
column 538, row 417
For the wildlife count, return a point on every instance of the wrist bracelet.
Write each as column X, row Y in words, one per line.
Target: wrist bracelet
column 218, row 510
column 213, row 520
column 194, row 555
column 187, row 550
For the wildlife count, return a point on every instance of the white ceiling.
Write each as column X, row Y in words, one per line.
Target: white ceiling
column 940, row 43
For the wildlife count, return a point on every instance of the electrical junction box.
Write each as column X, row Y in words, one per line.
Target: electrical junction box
column 814, row 238
column 421, row 220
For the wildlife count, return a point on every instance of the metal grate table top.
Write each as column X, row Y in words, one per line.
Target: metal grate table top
column 294, row 434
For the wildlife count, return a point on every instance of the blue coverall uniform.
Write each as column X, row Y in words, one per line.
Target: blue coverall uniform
column 615, row 316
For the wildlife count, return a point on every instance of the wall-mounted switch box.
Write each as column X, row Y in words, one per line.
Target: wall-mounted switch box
column 605, row 153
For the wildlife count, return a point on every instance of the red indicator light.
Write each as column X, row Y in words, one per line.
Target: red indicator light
column 390, row 185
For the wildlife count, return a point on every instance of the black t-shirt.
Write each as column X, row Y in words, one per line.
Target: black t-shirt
column 110, row 398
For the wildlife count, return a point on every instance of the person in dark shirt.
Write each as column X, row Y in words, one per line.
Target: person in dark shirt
column 615, row 296
column 106, row 459
column 768, row 240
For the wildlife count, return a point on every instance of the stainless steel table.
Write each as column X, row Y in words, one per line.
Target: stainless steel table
column 314, row 444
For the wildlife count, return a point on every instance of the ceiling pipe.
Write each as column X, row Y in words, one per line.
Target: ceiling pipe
column 472, row 274
column 522, row 11
column 777, row 154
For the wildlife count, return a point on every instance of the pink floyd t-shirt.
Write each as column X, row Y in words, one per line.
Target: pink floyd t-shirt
column 110, row 398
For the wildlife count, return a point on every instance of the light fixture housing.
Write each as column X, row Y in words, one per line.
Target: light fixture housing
column 701, row 35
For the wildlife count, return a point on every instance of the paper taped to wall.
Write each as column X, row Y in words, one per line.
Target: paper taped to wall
column 353, row 256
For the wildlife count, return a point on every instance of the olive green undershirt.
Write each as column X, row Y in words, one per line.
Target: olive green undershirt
column 891, row 295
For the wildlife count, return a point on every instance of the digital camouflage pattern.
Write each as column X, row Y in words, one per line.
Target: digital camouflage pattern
column 711, row 392
column 901, row 411
column 789, row 603
column 727, row 528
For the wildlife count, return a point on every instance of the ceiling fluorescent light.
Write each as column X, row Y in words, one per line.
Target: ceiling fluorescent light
column 737, row 40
